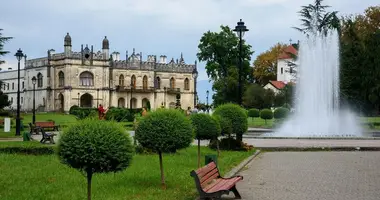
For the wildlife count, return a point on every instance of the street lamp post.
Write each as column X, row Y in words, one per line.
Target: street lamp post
column 195, row 76
column 78, row 99
column 207, row 92
column 97, row 97
column 34, row 99
column 19, row 55
column 240, row 29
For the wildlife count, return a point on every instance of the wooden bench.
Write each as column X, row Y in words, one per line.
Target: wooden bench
column 1, row 121
column 46, row 136
column 47, row 125
column 211, row 185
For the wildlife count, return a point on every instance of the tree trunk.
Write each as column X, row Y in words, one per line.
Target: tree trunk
column 89, row 178
column 199, row 153
column 162, row 171
column 239, row 137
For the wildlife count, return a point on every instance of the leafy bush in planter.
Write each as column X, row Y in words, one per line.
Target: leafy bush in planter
column 281, row 113
column 230, row 144
column 93, row 146
column 205, row 128
column 253, row 112
column 266, row 114
column 234, row 116
column 164, row 130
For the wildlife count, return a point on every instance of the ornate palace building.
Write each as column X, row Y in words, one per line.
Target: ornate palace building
column 89, row 78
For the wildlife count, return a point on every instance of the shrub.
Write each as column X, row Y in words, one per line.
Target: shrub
column 164, row 130
column 73, row 109
column 4, row 113
column 234, row 116
column 230, row 144
column 281, row 113
column 82, row 113
column 266, row 114
column 120, row 115
column 205, row 128
column 30, row 147
column 253, row 113
column 93, row 146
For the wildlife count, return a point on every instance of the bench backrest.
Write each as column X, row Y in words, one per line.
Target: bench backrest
column 205, row 175
column 44, row 124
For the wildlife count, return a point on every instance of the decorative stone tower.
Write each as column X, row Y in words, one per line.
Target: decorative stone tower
column 105, row 48
column 67, row 45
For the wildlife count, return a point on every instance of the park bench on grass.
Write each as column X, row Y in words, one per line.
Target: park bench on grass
column 47, row 125
column 33, row 129
column 210, row 184
column 47, row 136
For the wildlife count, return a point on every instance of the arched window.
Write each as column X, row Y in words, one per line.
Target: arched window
column 61, row 79
column 133, row 81
column 86, row 79
column 158, row 82
column 39, row 80
column 187, row 85
column 121, row 80
column 145, row 82
column 172, row 83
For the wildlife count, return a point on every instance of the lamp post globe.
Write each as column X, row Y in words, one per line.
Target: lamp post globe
column 195, row 76
column 34, row 80
column 19, row 55
column 240, row 29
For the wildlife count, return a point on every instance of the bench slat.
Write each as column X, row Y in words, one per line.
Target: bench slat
column 223, row 184
column 205, row 180
column 204, row 170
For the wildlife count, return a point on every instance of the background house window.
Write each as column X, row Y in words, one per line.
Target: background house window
column 145, row 82
column 13, row 86
column 157, row 83
column 39, row 80
column 133, row 81
column 187, row 84
column 61, row 79
column 86, row 79
column 121, row 80
column 172, row 83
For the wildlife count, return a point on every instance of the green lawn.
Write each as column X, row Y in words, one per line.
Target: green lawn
column 44, row 177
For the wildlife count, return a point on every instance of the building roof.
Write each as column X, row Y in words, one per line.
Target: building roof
column 278, row 84
column 288, row 52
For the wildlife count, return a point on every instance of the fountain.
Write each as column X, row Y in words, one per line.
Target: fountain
column 317, row 111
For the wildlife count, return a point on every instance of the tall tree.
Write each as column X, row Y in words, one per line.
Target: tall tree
column 3, row 40
column 265, row 65
column 315, row 18
column 4, row 102
column 220, row 51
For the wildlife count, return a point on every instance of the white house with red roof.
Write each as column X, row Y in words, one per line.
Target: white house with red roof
column 285, row 72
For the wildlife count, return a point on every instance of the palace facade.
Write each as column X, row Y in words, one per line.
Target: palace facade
column 89, row 78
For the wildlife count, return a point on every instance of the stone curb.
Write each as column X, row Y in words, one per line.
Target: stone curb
column 238, row 168
column 309, row 138
column 351, row 148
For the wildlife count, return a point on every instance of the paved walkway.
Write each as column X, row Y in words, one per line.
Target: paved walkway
column 312, row 176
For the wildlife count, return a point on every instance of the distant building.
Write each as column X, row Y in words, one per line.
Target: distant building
column 276, row 86
column 89, row 78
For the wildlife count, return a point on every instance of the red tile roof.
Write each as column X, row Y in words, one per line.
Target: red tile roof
column 277, row 84
column 288, row 51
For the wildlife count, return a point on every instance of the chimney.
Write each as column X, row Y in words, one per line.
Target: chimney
column 116, row 56
column 163, row 59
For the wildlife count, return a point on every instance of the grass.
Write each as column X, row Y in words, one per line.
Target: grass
column 260, row 123
column 44, row 177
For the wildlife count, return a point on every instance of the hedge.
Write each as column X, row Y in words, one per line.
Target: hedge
column 31, row 147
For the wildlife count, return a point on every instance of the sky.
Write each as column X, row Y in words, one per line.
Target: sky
column 153, row 27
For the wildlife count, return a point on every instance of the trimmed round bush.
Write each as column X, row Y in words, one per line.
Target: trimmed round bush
column 235, row 116
column 93, row 146
column 253, row 112
column 281, row 113
column 164, row 131
column 266, row 114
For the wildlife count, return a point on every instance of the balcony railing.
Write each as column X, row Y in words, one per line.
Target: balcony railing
column 136, row 89
column 173, row 90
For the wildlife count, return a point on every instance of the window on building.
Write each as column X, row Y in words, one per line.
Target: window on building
column 121, row 80
column 39, row 80
column 61, row 79
column 22, row 100
column 282, row 70
column 13, row 86
column 172, row 83
column 187, row 84
column 133, row 81
column 86, row 79
column 23, row 85
column 158, row 83
column 7, row 86
column 145, row 82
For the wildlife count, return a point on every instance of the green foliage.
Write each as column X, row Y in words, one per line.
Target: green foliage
column 234, row 116
column 82, row 113
column 96, row 146
column 280, row 113
column 3, row 40
column 230, row 144
column 4, row 102
column 266, row 114
column 285, row 96
column 219, row 50
column 205, row 127
column 120, row 115
column 32, row 148
column 4, row 113
column 253, row 112
column 255, row 96
column 164, row 130
column 148, row 106
column 225, row 125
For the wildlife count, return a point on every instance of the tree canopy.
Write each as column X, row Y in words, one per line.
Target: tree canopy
column 3, row 40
